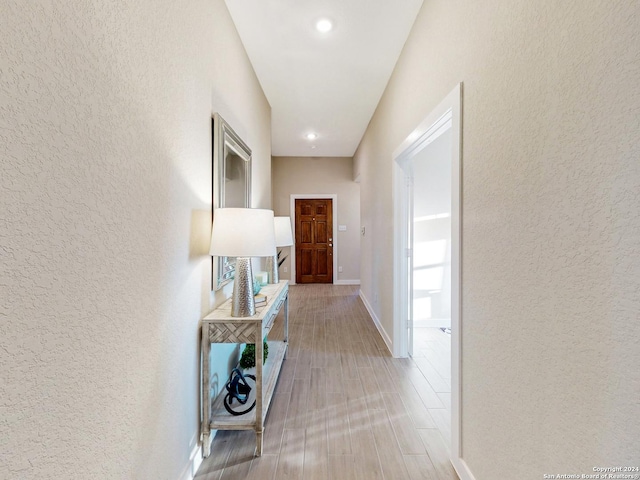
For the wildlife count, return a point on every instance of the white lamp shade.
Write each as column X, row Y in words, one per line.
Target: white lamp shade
column 284, row 236
column 243, row 232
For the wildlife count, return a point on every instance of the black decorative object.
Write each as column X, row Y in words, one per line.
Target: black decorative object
column 239, row 392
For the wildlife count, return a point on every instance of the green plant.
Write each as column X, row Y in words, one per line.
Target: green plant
column 248, row 357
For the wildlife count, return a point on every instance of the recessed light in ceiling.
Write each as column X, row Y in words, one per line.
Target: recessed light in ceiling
column 324, row 25
column 311, row 136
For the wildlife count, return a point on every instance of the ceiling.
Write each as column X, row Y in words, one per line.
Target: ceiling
column 323, row 83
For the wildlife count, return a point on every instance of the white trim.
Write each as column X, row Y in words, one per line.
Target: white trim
column 347, row 282
column 292, row 213
column 448, row 112
column 424, row 134
column 376, row 322
column 456, row 286
column 400, row 277
column 195, row 460
column 462, row 469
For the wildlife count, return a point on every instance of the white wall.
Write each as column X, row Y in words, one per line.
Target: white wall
column 550, row 223
column 105, row 217
column 322, row 175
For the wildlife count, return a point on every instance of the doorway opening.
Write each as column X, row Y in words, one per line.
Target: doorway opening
column 430, row 234
column 427, row 214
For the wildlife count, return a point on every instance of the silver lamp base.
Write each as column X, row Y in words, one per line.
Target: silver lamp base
column 272, row 269
column 243, row 303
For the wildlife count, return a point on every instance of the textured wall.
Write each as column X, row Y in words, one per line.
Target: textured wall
column 551, row 223
column 315, row 175
column 105, row 217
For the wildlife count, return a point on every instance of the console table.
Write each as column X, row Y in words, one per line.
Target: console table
column 220, row 327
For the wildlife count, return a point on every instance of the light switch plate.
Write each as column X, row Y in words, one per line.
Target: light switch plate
column 342, row 228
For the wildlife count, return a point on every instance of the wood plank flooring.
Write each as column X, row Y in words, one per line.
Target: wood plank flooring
column 344, row 409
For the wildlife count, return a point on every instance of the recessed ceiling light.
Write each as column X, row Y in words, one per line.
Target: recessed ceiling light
column 324, row 25
column 311, row 136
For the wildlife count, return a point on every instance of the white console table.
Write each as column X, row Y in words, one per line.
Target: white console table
column 220, row 327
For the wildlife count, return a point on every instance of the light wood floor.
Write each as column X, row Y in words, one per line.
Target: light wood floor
column 344, row 408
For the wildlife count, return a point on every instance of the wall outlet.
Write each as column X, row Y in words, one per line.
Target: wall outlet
column 286, row 269
column 340, row 269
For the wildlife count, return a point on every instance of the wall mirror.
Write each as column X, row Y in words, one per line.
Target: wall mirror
column 231, row 185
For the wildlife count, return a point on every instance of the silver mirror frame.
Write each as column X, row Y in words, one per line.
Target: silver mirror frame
column 226, row 140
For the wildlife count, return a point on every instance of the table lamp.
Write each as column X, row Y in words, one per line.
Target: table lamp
column 284, row 238
column 243, row 233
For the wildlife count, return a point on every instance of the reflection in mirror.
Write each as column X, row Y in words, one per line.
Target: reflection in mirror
column 234, row 179
column 231, row 185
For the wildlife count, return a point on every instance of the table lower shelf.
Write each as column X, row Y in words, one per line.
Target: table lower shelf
column 223, row 420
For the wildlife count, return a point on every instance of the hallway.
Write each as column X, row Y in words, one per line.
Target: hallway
column 344, row 408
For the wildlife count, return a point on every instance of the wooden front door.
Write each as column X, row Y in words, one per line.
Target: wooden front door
column 314, row 241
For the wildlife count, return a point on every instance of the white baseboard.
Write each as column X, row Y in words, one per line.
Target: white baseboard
column 462, row 469
column 377, row 323
column 195, row 460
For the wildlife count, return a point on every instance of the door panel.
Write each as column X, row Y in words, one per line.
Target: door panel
column 314, row 241
column 307, row 209
column 305, row 232
column 323, row 261
column 322, row 235
column 306, row 262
